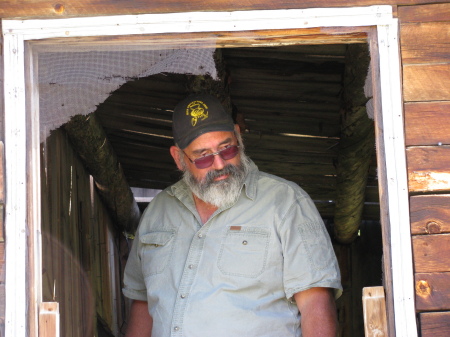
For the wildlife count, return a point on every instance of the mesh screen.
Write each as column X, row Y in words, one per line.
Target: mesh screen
column 75, row 82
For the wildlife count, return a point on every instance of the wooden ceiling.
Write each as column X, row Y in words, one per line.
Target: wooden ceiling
column 289, row 98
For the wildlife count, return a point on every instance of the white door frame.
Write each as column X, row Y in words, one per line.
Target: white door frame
column 21, row 93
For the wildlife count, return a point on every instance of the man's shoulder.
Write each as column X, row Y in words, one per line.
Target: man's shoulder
column 275, row 184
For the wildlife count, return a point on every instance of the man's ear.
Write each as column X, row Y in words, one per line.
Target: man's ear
column 175, row 153
column 237, row 128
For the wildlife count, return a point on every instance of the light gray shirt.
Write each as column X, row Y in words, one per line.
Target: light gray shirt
column 236, row 274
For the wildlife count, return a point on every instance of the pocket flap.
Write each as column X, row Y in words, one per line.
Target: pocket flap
column 156, row 238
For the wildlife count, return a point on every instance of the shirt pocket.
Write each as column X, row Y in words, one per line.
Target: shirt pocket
column 156, row 251
column 244, row 251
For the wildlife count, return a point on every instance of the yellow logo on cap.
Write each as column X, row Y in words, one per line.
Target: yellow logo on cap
column 197, row 110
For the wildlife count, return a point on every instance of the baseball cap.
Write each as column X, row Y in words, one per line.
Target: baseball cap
column 198, row 114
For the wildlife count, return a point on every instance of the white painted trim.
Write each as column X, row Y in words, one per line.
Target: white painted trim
column 201, row 22
column 17, row 31
column 33, row 187
column 397, row 180
column 16, row 319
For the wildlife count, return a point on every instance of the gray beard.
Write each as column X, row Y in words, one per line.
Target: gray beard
column 220, row 193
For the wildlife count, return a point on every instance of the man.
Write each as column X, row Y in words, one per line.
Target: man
column 228, row 250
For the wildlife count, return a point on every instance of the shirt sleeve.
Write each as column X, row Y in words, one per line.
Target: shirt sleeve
column 133, row 280
column 309, row 258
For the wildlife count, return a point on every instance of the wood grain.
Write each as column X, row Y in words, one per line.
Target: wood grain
column 435, row 324
column 432, row 291
column 424, row 13
column 427, row 123
column 374, row 306
column 425, row 42
column 430, row 214
column 2, row 190
column 426, row 82
column 428, row 168
column 52, row 9
column 431, row 253
column 49, row 319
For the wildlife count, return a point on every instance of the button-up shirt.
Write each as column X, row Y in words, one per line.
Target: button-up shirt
column 236, row 274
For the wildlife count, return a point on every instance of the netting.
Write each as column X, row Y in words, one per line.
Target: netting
column 75, row 82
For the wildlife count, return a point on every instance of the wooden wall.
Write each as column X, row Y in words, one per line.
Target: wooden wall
column 425, row 50
column 81, row 267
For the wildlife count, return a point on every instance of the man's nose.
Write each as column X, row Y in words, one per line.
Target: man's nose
column 218, row 163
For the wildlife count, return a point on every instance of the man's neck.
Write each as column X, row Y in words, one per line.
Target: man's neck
column 204, row 209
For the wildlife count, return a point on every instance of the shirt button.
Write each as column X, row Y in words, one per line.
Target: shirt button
column 176, row 328
column 183, row 296
column 200, row 235
column 191, row 266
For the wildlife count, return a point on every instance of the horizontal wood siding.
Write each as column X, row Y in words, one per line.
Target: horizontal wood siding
column 430, row 13
column 430, row 214
column 431, row 253
column 428, row 168
column 48, row 9
column 426, row 82
column 427, row 123
column 435, row 324
column 432, row 291
column 425, row 47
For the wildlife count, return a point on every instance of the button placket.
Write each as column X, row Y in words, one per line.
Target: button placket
column 187, row 278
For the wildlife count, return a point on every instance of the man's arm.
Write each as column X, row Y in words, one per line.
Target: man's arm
column 318, row 312
column 140, row 322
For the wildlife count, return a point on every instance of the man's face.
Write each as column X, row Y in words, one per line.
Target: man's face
column 208, row 143
column 220, row 183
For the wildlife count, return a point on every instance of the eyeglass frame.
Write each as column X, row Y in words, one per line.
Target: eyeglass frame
column 219, row 153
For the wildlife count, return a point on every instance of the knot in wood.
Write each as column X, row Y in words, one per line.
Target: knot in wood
column 433, row 227
column 59, row 8
column 423, row 288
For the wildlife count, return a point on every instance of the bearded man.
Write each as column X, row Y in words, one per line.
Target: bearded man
column 228, row 250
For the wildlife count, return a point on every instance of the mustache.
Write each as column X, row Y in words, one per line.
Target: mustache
column 230, row 169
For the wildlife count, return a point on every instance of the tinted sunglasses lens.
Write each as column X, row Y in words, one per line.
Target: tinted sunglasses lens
column 204, row 162
column 229, row 153
column 226, row 154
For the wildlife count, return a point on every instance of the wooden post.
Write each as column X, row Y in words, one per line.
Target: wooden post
column 374, row 308
column 49, row 319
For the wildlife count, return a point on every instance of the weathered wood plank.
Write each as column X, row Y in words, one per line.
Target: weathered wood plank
column 432, row 291
column 431, row 253
column 427, row 82
column 435, row 324
column 424, row 13
column 430, row 214
column 425, row 42
column 427, row 123
column 2, row 190
column 428, row 168
column 374, row 307
column 49, row 319
column 49, row 9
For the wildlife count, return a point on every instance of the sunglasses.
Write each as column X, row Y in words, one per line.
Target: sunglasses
column 206, row 161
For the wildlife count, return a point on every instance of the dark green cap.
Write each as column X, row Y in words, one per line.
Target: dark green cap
column 196, row 115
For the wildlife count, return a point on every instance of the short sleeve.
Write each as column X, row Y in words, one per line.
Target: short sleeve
column 309, row 258
column 133, row 280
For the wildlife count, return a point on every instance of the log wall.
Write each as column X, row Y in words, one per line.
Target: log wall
column 80, row 255
column 425, row 50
